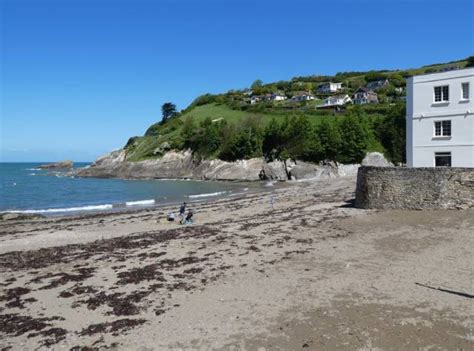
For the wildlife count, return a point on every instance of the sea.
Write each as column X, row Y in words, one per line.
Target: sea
column 24, row 188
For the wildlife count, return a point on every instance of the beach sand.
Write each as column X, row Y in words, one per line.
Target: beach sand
column 310, row 272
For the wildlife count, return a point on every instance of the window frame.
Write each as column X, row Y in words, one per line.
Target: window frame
column 442, row 94
column 440, row 154
column 463, row 84
column 442, row 129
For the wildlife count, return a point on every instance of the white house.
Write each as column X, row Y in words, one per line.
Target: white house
column 440, row 119
column 275, row 97
column 302, row 96
column 329, row 87
column 338, row 100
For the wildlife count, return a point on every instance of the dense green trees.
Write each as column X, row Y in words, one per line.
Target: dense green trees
column 344, row 139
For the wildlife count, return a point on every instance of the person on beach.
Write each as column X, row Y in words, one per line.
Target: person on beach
column 188, row 219
column 182, row 209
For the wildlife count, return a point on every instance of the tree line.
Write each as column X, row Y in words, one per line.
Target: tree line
column 344, row 139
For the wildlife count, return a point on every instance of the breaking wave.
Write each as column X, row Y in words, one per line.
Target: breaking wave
column 208, row 194
column 140, row 203
column 67, row 209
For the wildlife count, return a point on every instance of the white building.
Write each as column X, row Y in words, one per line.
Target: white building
column 329, row 87
column 338, row 100
column 440, row 119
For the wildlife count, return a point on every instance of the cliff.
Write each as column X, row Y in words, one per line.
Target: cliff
column 181, row 165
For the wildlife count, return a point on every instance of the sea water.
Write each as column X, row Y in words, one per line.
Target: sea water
column 25, row 188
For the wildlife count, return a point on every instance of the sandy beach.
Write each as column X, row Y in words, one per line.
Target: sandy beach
column 297, row 268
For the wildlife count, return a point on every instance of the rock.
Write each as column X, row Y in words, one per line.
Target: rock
column 58, row 165
column 160, row 150
column 182, row 165
column 376, row 159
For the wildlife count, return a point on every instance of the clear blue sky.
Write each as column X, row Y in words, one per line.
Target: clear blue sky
column 80, row 77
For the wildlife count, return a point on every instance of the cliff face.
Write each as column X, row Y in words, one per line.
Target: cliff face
column 181, row 165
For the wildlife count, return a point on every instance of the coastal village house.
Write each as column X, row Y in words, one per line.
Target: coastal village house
column 275, row 97
column 329, row 87
column 302, row 96
column 337, row 100
column 440, row 119
column 365, row 96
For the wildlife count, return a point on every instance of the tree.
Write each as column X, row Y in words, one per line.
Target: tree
column 329, row 139
column 392, row 132
column 272, row 140
column 470, row 61
column 168, row 110
column 354, row 140
column 256, row 84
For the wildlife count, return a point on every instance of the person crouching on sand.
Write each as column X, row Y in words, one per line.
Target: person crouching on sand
column 188, row 219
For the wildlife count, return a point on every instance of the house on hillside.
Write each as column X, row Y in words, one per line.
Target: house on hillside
column 365, row 96
column 377, row 84
column 302, row 96
column 254, row 99
column 336, row 101
column 440, row 119
column 275, row 97
column 329, row 87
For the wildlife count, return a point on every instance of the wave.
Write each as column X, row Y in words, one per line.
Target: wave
column 140, row 203
column 67, row 209
column 207, row 195
column 33, row 169
column 32, row 174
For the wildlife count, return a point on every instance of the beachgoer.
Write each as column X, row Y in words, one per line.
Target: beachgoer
column 182, row 209
column 189, row 217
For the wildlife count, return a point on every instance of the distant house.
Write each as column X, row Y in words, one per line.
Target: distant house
column 335, row 101
column 399, row 90
column 254, row 99
column 247, row 92
column 302, row 96
column 275, row 97
column 377, row 84
column 365, row 96
column 329, row 87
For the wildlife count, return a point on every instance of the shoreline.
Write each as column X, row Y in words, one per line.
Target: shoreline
column 305, row 271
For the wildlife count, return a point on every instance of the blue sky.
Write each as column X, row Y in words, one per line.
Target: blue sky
column 80, row 77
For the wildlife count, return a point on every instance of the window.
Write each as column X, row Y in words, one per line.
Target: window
column 441, row 93
column 442, row 159
column 465, row 91
column 442, row 128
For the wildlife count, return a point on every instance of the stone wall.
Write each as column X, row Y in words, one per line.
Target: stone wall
column 414, row 188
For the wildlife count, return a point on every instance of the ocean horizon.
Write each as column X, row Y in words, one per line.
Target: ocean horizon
column 25, row 188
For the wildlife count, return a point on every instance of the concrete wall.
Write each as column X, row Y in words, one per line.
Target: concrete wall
column 414, row 188
column 423, row 111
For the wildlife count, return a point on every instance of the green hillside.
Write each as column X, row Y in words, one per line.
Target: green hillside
column 246, row 123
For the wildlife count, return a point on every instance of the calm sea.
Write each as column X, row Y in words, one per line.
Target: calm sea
column 25, row 188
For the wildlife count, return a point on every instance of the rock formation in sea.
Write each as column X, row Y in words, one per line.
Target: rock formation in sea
column 68, row 164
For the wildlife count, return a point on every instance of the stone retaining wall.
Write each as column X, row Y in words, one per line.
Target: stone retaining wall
column 414, row 188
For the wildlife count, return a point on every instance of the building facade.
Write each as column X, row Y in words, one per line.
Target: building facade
column 364, row 96
column 440, row 119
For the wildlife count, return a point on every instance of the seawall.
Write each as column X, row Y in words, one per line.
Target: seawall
column 414, row 188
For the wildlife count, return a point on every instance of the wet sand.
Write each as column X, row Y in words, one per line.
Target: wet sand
column 310, row 273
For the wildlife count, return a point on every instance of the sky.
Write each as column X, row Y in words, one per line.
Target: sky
column 78, row 78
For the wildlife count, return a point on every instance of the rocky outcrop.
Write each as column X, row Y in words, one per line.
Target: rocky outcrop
column 182, row 165
column 58, row 165
column 376, row 159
